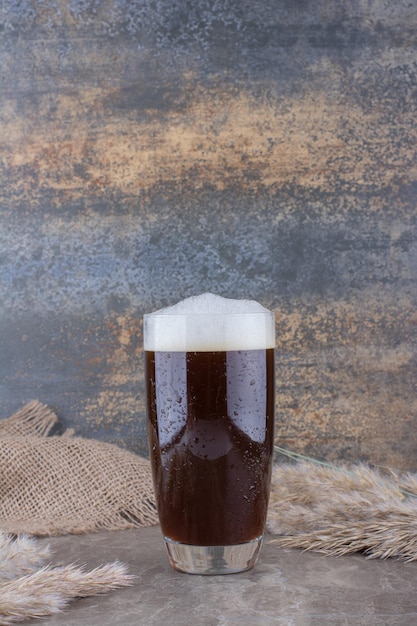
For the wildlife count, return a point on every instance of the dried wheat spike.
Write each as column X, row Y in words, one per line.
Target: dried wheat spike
column 48, row 591
column 19, row 556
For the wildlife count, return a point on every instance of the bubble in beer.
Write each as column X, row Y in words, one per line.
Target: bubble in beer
column 209, row 322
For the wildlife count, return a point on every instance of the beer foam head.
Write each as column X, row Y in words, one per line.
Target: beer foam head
column 209, row 323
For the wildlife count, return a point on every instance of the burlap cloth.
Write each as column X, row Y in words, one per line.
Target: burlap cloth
column 53, row 485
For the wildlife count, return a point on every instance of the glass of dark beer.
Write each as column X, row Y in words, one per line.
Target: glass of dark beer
column 210, row 405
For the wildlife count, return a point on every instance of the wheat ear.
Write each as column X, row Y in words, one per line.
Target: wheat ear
column 19, row 556
column 48, row 591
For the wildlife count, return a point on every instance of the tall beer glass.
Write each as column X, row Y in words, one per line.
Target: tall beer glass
column 210, row 404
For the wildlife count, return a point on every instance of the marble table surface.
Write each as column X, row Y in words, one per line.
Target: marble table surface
column 287, row 587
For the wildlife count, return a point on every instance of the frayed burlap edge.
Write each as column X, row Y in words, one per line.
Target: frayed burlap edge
column 34, row 419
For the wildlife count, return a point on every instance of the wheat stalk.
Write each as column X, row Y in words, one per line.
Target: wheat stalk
column 339, row 510
column 407, row 482
column 20, row 556
column 29, row 589
column 48, row 590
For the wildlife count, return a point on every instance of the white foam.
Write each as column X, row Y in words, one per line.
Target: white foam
column 208, row 323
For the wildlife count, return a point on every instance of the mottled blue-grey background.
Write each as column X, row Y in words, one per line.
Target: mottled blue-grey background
column 152, row 150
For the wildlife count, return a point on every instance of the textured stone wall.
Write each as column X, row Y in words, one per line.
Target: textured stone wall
column 152, row 150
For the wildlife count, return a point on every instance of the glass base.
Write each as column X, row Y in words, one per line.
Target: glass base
column 212, row 560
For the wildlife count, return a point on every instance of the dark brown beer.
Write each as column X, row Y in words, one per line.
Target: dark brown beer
column 211, row 422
